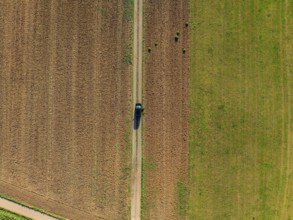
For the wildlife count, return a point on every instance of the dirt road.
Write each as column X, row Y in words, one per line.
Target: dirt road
column 137, row 97
column 24, row 210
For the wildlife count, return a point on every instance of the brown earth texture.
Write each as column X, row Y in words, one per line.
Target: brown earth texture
column 165, row 161
column 65, row 106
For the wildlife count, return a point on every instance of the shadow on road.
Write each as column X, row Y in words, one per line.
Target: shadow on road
column 136, row 121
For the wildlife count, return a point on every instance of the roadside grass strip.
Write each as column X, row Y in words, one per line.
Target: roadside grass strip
column 8, row 215
column 31, row 207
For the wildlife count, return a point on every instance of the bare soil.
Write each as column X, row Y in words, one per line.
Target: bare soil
column 65, row 104
column 165, row 161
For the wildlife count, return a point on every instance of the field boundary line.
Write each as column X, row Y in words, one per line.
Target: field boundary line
column 284, row 213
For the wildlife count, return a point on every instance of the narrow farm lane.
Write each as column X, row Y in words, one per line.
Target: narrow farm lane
column 137, row 97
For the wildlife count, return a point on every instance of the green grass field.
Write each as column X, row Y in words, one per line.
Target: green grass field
column 7, row 215
column 241, row 108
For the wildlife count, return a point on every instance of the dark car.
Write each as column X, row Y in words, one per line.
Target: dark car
column 138, row 110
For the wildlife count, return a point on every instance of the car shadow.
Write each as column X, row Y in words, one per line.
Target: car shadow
column 136, row 121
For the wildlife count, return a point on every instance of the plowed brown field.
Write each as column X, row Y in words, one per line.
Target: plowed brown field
column 65, row 102
column 165, row 162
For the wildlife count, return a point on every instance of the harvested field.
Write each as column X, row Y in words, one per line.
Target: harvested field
column 65, row 106
column 165, row 154
column 240, row 163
